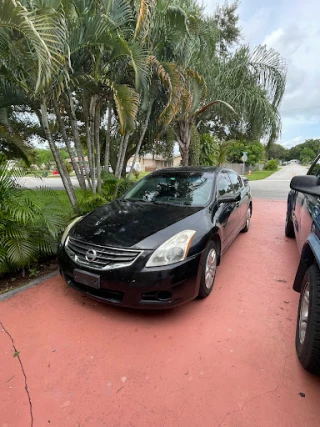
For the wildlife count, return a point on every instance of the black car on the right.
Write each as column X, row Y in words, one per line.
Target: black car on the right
column 303, row 222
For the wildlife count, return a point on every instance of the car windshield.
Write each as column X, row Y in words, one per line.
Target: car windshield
column 186, row 189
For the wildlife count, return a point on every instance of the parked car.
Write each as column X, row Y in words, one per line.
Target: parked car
column 303, row 222
column 159, row 245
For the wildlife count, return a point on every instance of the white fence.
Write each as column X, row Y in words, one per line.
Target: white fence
column 240, row 169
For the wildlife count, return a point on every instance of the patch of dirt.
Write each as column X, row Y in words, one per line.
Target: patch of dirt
column 36, row 271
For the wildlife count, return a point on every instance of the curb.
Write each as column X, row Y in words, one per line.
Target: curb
column 23, row 288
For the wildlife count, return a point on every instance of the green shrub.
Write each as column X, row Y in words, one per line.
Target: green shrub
column 68, row 166
column 136, row 173
column 88, row 201
column 111, row 185
column 271, row 165
column 31, row 222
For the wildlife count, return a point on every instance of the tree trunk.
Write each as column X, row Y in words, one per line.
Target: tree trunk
column 143, row 132
column 116, row 172
column 184, row 137
column 97, row 144
column 108, row 134
column 90, row 142
column 86, row 123
column 63, row 131
column 123, row 153
column 55, row 152
column 69, row 104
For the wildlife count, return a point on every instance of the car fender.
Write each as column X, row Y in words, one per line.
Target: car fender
column 291, row 201
column 310, row 254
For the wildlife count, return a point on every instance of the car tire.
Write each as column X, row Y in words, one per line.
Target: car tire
column 308, row 322
column 247, row 225
column 209, row 270
column 289, row 228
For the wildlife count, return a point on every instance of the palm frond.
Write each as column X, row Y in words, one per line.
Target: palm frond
column 144, row 18
column 127, row 103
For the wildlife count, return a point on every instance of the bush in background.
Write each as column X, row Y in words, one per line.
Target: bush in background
column 271, row 165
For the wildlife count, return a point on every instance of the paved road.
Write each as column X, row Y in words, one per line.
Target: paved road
column 276, row 186
column 226, row 361
column 36, row 182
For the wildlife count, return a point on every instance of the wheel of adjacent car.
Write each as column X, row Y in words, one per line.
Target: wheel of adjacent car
column 209, row 270
column 308, row 323
column 289, row 229
column 247, row 225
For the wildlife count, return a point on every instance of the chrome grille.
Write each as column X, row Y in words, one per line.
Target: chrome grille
column 99, row 257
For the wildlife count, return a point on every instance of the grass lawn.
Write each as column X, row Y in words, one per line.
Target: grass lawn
column 259, row 175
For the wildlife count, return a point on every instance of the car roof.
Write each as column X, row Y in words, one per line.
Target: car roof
column 203, row 169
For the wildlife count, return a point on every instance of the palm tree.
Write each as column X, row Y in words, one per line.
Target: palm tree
column 28, row 230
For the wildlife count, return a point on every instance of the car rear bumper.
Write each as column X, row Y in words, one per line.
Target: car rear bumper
column 156, row 288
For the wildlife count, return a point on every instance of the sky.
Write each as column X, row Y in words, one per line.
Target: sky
column 291, row 27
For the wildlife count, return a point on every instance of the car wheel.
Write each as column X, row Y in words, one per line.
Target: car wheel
column 209, row 270
column 308, row 323
column 247, row 226
column 289, row 229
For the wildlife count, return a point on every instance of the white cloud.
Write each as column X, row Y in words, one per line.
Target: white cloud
column 292, row 29
column 292, row 142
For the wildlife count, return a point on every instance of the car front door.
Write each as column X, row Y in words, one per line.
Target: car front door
column 306, row 209
column 243, row 204
column 227, row 215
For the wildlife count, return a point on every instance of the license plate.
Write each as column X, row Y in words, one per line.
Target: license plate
column 88, row 279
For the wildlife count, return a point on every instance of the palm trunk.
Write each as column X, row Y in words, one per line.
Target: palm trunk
column 63, row 131
column 123, row 154
column 97, row 144
column 55, row 152
column 108, row 134
column 92, row 112
column 184, row 138
column 144, row 129
column 76, row 136
column 116, row 172
column 86, row 122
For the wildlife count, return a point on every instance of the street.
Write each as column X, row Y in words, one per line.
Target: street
column 277, row 186
column 225, row 361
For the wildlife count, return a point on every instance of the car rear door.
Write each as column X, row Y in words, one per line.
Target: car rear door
column 228, row 213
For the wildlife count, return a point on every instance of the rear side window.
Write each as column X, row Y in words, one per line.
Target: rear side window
column 224, row 184
column 236, row 181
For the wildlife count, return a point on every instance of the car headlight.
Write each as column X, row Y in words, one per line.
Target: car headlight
column 173, row 250
column 66, row 231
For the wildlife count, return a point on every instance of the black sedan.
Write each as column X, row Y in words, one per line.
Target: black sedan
column 160, row 244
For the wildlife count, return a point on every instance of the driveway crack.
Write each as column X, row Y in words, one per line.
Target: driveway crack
column 16, row 354
column 258, row 395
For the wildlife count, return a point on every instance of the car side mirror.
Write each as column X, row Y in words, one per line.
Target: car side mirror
column 229, row 198
column 307, row 184
column 245, row 181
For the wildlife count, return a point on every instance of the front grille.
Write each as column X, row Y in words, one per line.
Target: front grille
column 99, row 257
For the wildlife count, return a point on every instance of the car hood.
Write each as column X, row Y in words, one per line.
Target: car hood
column 135, row 224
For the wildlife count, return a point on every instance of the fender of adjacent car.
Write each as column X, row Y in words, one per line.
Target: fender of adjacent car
column 310, row 254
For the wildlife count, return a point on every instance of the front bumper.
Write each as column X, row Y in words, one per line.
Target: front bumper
column 139, row 287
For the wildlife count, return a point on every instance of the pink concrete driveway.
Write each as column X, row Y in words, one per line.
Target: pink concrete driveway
column 227, row 361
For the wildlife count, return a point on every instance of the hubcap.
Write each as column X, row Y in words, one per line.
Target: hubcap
column 211, row 267
column 304, row 313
